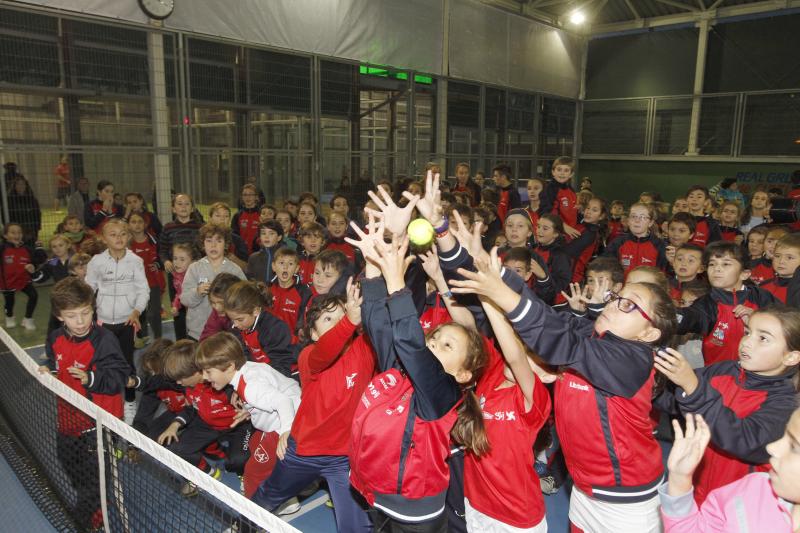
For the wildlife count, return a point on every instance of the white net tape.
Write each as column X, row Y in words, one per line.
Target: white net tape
column 235, row 501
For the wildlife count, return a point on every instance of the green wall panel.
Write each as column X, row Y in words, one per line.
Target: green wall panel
column 624, row 180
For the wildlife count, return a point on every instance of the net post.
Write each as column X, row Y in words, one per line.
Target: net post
column 101, row 471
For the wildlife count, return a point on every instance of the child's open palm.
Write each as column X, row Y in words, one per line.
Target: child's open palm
column 353, row 305
column 687, row 452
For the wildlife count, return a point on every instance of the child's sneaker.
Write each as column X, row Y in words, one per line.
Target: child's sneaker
column 28, row 324
column 141, row 342
column 10, row 322
column 290, row 506
column 189, row 490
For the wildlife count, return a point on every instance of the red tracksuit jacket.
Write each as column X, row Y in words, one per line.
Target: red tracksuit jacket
column 602, row 400
column 712, row 316
column 268, row 342
column 99, row 355
column 245, row 225
column 777, row 287
column 148, row 251
column 745, row 412
column 761, row 270
column 638, row 251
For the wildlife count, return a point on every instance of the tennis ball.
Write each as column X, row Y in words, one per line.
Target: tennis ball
column 420, row 232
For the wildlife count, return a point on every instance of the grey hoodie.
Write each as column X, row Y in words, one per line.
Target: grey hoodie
column 198, row 307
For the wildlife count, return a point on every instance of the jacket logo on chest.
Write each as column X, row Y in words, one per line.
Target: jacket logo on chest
column 718, row 335
column 578, row 386
column 626, row 259
column 350, row 381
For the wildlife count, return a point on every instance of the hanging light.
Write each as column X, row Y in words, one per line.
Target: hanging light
column 577, row 17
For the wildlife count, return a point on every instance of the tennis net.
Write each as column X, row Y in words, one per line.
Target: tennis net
column 88, row 471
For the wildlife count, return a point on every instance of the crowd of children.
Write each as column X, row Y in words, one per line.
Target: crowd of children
column 448, row 386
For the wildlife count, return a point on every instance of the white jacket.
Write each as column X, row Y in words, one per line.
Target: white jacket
column 271, row 397
column 121, row 286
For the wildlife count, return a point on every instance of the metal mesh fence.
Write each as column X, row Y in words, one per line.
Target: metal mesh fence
column 117, row 480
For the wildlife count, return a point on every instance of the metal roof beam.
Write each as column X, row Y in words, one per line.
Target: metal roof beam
column 679, row 5
column 695, row 16
column 632, row 8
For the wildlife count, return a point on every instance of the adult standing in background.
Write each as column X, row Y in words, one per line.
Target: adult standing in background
column 77, row 201
column 23, row 208
column 63, row 183
column 465, row 184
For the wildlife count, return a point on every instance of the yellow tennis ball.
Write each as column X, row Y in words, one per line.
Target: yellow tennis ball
column 420, row 232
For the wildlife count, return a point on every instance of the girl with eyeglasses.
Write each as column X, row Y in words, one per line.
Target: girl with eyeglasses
column 639, row 246
column 604, row 395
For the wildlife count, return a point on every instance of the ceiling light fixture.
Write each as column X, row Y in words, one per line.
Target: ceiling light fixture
column 577, row 17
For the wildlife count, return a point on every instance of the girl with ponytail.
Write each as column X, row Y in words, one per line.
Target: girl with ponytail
column 423, row 394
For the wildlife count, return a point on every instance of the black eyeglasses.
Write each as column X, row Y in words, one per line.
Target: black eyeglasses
column 626, row 305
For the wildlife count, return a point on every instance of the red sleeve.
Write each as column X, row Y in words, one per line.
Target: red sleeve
column 330, row 346
column 540, row 408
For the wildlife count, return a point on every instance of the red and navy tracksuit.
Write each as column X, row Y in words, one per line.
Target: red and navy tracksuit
column 306, row 270
column 207, row 420
column 544, row 288
column 99, row 355
column 582, row 249
column 154, row 271
column 290, row 304
column 267, row 341
column 559, row 265
column 638, row 251
column 602, row 400
column 401, row 428
column 615, row 228
column 158, row 390
column 95, row 218
column 744, row 410
column 777, row 287
column 712, row 317
column 245, row 224
column 760, row 270
column 729, row 233
column 706, row 231
column 14, row 277
column 333, row 372
column 338, row 243
column 559, row 199
column 509, row 199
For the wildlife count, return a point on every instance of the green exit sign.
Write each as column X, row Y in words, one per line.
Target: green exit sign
column 384, row 72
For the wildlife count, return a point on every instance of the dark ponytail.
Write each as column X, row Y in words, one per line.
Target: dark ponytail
column 469, row 430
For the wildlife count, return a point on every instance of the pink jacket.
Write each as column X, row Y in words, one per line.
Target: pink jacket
column 748, row 504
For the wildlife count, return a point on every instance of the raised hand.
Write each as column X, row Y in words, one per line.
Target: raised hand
column 487, row 282
column 395, row 218
column 677, row 369
column 353, row 305
column 392, row 261
column 430, row 205
column 577, row 297
column 687, row 452
column 430, row 264
column 366, row 242
column 469, row 240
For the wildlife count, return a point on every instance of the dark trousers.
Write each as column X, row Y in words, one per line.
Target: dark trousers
column 78, row 457
column 179, row 320
column 198, row 435
column 152, row 315
column 124, row 334
column 386, row 524
column 296, row 472
column 30, row 307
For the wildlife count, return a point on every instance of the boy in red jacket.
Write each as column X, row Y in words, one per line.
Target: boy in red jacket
column 289, row 298
column 245, row 222
column 208, row 419
column 785, row 260
column 334, row 371
column 18, row 263
column 558, row 196
column 88, row 359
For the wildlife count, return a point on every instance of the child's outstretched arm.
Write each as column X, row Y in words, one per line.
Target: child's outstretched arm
column 374, row 314
column 459, row 313
column 436, row 392
column 330, row 346
column 610, row 364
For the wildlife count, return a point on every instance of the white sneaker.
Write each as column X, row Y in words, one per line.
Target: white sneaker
column 290, row 506
column 28, row 324
column 10, row 322
column 129, row 412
